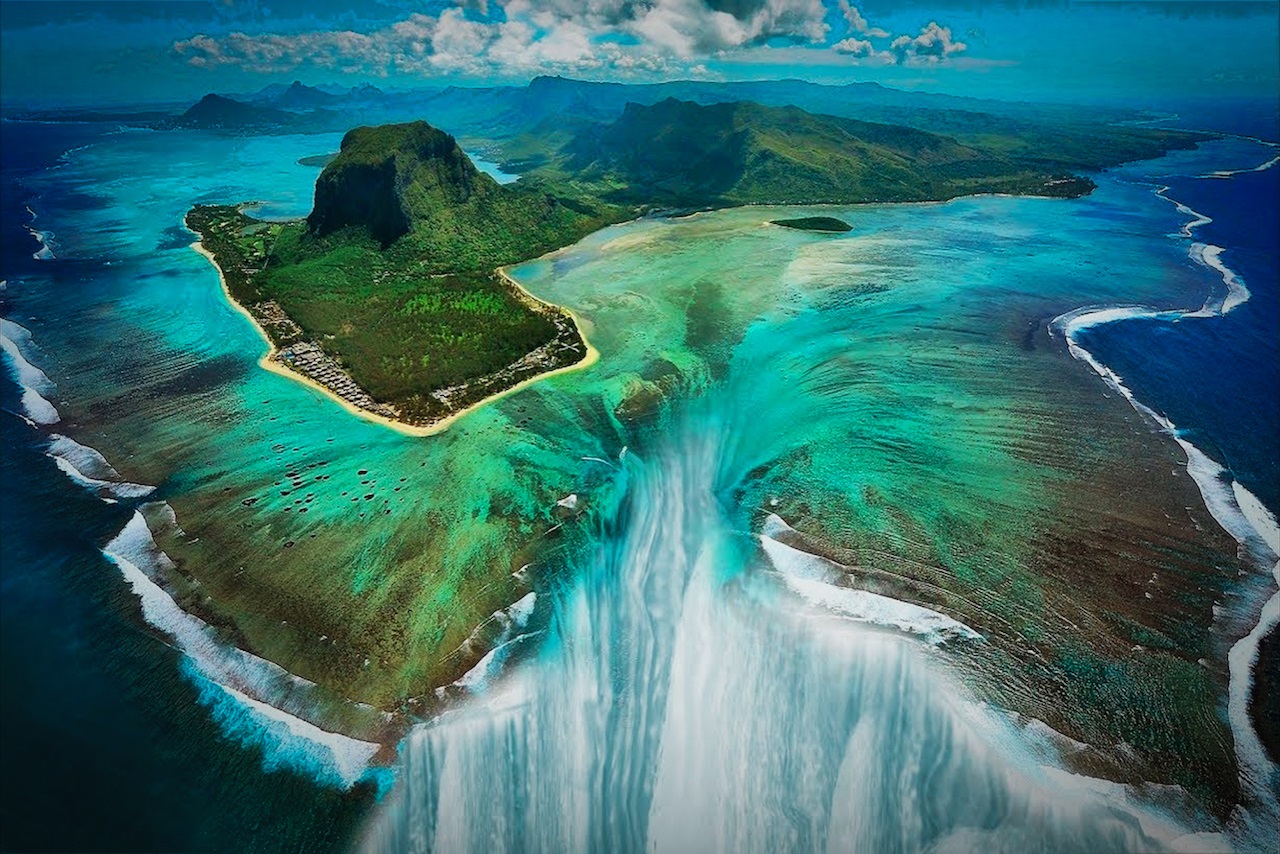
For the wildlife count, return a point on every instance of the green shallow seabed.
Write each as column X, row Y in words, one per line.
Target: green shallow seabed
column 892, row 393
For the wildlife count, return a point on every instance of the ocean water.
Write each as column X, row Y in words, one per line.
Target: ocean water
column 684, row 698
column 898, row 391
column 843, row 368
column 112, row 744
column 1218, row 374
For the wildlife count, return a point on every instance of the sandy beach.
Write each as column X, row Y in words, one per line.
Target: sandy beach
column 268, row 362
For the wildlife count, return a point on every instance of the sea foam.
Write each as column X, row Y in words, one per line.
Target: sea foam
column 814, row 579
column 1229, row 173
column 1238, row 511
column 15, row 341
column 88, row 468
column 45, row 239
column 509, row 623
column 286, row 741
column 239, row 675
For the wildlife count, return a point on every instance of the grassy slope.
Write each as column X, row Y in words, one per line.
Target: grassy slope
column 684, row 154
column 411, row 305
column 392, row 272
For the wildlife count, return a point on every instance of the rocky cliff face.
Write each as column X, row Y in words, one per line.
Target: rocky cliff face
column 386, row 178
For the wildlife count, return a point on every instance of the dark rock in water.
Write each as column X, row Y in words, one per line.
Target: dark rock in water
column 815, row 223
column 318, row 160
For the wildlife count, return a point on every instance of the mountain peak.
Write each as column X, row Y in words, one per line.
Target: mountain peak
column 215, row 111
column 385, row 178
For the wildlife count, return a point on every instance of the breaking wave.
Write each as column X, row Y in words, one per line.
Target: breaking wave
column 1238, row 511
column 265, row 693
column 88, row 468
column 15, row 341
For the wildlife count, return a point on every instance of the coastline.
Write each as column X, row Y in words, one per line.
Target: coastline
column 276, row 367
column 268, row 361
column 1236, row 510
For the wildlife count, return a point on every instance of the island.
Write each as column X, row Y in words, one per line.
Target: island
column 319, row 161
column 391, row 295
column 815, row 223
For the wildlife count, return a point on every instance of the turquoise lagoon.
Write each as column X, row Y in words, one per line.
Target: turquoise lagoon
column 894, row 399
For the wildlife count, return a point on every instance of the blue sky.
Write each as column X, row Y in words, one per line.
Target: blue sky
column 113, row 51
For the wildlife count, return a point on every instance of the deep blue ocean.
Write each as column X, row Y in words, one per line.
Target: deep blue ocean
column 106, row 746
column 1218, row 379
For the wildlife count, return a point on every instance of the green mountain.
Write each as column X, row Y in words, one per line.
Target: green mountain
column 686, row 154
column 216, row 112
column 411, row 185
column 377, row 171
column 387, row 292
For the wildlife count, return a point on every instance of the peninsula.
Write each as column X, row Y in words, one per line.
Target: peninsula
column 389, row 295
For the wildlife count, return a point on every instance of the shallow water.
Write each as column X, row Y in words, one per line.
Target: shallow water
column 684, row 701
column 892, row 390
column 863, row 369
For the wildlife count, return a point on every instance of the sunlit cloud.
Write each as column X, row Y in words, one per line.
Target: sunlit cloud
column 519, row 38
column 933, row 44
column 858, row 23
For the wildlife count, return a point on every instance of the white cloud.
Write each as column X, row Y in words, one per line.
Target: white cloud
column 858, row 23
column 520, row 38
column 934, row 44
column 854, row 47
column 342, row 50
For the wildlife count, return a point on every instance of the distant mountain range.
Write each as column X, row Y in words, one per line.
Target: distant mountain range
column 412, row 181
column 515, row 124
column 299, row 96
column 392, row 276
column 527, row 127
column 215, row 112
column 687, row 154
column 523, row 107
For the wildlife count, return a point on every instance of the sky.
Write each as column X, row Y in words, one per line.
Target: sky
column 72, row 52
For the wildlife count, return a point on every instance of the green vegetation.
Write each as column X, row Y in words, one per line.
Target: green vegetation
column 400, row 333
column 392, row 276
column 815, row 223
column 689, row 155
